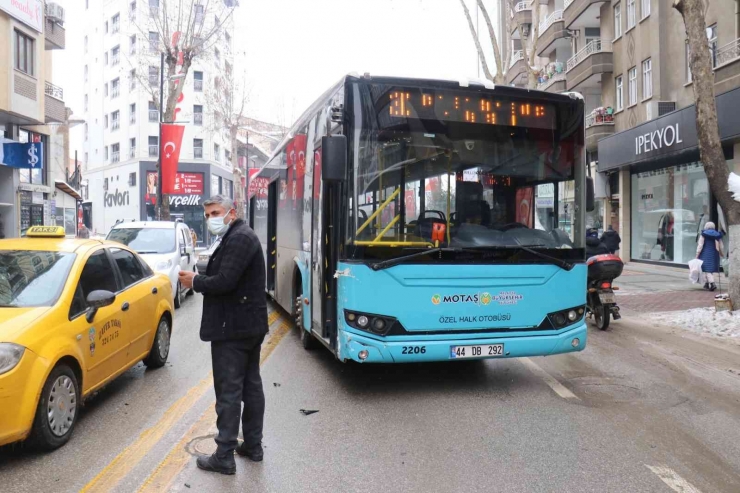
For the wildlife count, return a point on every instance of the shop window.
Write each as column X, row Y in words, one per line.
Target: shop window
column 25, row 50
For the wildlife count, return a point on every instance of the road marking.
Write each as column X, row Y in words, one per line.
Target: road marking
column 558, row 387
column 673, row 480
column 130, row 457
column 167, row 470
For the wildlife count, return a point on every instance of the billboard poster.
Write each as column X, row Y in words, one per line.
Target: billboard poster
column 524, row 206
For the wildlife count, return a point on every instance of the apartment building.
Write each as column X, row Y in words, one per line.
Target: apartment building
column 29, row 32
column 119, row 70
column 629, row 59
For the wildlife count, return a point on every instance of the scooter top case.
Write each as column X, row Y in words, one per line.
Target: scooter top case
column 603, row 267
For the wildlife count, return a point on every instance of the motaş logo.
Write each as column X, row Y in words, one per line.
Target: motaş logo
column 503, row 298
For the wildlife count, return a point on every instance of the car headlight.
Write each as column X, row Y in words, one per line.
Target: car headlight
column 10, row 356
column 163, row 265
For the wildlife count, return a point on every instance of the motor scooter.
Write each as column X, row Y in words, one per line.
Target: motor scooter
column 600, row 298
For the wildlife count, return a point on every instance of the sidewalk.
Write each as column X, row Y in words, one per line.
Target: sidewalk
column 646, row 288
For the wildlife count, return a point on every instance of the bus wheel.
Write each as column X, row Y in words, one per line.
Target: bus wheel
column 307, row 339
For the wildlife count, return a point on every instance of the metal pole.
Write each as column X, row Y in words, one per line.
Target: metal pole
column 246, row 166
column 159, row 139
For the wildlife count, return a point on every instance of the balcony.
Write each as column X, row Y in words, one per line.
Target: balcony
column 132, row 153
column 153, row 150
column 55, row 37
column 554, row 84
column 727, row 69
column 115, row 125
column 584, row 69
column 54, row 111
column 578, row 14
column 153, row 116
column 517, row 68
column 115, row 157
column 599, row 124
column 522, row 15
column 552, row 34
column 198, row 152
column 115, row 92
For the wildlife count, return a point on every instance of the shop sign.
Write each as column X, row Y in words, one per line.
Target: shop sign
column 116, row 198
column 29, row 12
column 27, row 187
column 37, row 198
column 658, row 139
column 180, row 200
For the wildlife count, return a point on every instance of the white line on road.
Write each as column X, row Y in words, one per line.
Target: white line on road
column 558, row 387
column 673, row 480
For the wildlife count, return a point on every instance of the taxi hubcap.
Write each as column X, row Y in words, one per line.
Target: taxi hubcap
column 62, row 405
column 163, row 339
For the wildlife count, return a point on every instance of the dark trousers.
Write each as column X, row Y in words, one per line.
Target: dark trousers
column 236, row 379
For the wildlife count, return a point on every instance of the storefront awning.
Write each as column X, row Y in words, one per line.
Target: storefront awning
column 67, row 188
column 668, row 137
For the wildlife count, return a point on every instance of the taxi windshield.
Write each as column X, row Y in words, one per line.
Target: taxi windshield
column 32, row 278
column 145, row 240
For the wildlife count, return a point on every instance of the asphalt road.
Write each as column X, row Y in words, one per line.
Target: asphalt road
column 643, row 409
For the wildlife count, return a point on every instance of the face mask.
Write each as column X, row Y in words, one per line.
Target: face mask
column 217, row 227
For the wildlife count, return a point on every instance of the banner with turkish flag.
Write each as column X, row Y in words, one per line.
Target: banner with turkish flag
column 169, row 155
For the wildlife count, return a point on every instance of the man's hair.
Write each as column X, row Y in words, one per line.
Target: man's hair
column 224, row 202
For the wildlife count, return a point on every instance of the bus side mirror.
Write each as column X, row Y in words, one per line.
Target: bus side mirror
column 590, row 194
column 334, row 158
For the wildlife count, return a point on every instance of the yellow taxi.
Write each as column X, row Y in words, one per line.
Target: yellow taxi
column 74, row 314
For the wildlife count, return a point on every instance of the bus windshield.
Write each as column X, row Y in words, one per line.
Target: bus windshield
column 429, row 172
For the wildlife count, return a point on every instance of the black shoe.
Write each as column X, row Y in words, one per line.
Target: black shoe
column 253, row 453
column 213, row 463
column 712, row 287
column 706, row 286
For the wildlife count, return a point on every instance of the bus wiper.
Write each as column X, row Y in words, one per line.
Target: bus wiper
column 399, row 260
column 556, row 261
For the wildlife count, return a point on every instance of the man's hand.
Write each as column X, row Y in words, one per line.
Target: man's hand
column 186, row 278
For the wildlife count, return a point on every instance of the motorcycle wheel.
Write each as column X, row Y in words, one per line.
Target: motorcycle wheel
column 601, row 316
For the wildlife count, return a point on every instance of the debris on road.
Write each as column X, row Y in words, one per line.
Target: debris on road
column 307, row 412
column 276, row 384
column 702, row 321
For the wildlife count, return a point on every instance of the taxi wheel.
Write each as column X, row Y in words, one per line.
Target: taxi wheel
column 178, row 295
column 161, row 345
column 57, row 411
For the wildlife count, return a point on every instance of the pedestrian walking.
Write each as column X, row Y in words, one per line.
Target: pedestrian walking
column 234, row 321
column 611, row 239
column 709, row 250
column 83, row 232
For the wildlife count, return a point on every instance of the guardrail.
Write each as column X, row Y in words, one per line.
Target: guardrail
column 728, row 53
column 595, row 46
column 568, row 3
column 550, row 20
column 55, row 92
column 594, row 118
column 555, row 78
column 515, row 57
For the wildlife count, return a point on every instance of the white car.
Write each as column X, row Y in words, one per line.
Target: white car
column 166, row 246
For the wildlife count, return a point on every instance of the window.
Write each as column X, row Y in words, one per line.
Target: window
column 153, row 146
column 86, row 131
column 198, row 148
column 128, row 266
column 631, row 14
column 115, row 55
column 132, row 113
column 227, row 38
column 85, row 44
column 217, row 153
column 132, row 148
column 25, row 51
column 215, row 184
column 645, row 8
column 116, row 23
column 132, row 80
column 617, row 20
column 619, row 93
column 87, row 157
column 115, row 88
column 132, row 45
column 227, row 156
column 632, row 88
column 217, row 54
column 105, row 125
column 105, row 58
column 106, row 27
column 86, row 102
column 97, row 275
column 105, row 89
column 227, row 69
column 132, row 10
column 199, row 14
column 132, row 179
column 153, row 42
column 689, row 77
column 153, row 75
column 647, row 79
column 106, row 153
column 153, row 113
column 115, row 153
column 86, row 73
column 115, row 120
column 198, row 81
column 198, row 114
column 712, row 37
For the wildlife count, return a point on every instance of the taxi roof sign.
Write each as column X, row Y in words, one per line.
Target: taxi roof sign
column 46, row 232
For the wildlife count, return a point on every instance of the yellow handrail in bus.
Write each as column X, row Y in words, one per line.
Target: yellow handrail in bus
column 378, row 211
column 385, row 230
column 395, row 243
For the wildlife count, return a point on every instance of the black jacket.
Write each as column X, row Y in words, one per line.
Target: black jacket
column 594, row 246
column 612, row 240
column 234, row 301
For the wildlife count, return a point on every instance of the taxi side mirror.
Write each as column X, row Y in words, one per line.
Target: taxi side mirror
column 96, row 300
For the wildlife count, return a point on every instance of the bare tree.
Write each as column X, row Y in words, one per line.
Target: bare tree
column 181, row 31
column 529, row 48
column 227, row 101
column 707, row 129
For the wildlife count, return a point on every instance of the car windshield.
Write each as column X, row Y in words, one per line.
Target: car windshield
column 32, row 278
column 145, row 240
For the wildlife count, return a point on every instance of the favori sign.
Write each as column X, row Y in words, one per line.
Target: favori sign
column 29, row 12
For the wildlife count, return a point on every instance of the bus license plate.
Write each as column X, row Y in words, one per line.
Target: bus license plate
column 483, row 351
column 607, row 298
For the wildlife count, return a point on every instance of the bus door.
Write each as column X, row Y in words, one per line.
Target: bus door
column 272, row 201
column 317, row 247
column 331, row 223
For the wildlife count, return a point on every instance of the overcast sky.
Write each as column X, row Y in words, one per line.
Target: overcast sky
column 296, row 49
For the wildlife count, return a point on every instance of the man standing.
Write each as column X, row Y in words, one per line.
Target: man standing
column 611, row 239
column 235, row 322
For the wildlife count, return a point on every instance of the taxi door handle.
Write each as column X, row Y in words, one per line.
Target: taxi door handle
column 125, row 306
column 155, row 290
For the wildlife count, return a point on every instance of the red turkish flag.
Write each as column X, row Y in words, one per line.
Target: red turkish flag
column 169, row 155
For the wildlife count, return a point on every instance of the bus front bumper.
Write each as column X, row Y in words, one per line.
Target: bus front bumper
column 368, row 350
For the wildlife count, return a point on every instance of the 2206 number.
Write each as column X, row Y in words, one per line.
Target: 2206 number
column 414, row 350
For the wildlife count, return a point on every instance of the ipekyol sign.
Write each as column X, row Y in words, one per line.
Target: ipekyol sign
column 658, row 139
column 29, row 12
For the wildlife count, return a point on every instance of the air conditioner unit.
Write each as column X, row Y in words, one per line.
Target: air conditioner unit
column 55, row 13
column 656, row 109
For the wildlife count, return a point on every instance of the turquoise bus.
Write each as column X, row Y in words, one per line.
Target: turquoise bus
column 408, row 220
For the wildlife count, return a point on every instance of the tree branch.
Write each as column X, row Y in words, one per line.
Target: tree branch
column 500, row 70
column 481, row 55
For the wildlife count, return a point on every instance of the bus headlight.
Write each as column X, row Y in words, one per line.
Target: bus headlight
column 368, row 322
column 362, row 321
column 572, row 315
column 567, row 317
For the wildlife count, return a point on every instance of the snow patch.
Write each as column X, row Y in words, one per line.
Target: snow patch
column 702, row 321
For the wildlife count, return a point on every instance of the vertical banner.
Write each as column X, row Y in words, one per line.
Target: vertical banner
column 169, row 155
column 317, row 174
column 524, row 206
column 410, row 203
column 299, row 148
